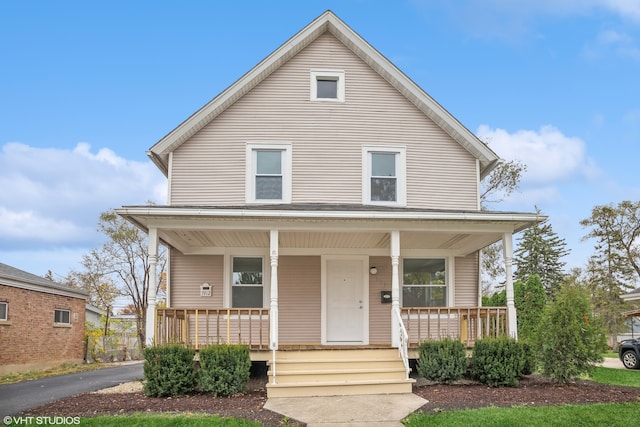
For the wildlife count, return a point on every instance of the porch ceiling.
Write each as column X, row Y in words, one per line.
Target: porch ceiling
column 305, row 231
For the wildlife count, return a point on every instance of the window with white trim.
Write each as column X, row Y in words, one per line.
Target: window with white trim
column 268, row 177
column 247, row 284
column 327, row 85
column 384, row 176
column 4, row 311
column 62, row 316
column 424, row 282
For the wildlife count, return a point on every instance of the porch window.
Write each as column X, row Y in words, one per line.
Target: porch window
column 62, row 316
column 268, row 173
column 247, row 284
column 424, row 282
column 383, row 178
column 4, row 311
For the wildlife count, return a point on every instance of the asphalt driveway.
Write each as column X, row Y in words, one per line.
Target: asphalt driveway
column 15, row 398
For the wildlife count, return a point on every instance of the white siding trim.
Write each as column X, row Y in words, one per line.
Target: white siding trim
column 401, row 174
column 266, row 273
column 337, row 75
column 169, row 177
column 250, row 170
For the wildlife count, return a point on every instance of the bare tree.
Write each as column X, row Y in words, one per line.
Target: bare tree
column 125, row 257
column 499, row 184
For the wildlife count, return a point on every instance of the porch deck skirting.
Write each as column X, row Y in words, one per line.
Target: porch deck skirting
column 198, row 327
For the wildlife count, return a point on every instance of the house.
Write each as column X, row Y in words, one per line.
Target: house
column 41, row 322
column 93, row 316
column 632, row 315
column 325, row 206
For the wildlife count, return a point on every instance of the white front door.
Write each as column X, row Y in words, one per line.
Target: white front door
column 346, row 301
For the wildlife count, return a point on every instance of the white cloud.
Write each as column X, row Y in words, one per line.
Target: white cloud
column 617, row 42
column 625, row 8
column 550, row 156
column 512, row 20
column 53, row 197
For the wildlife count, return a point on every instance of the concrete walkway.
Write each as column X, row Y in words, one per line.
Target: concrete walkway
column 360, row 410
column 610, row 362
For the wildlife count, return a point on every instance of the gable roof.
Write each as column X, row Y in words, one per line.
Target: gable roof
column 11, row 276
column 327, row 22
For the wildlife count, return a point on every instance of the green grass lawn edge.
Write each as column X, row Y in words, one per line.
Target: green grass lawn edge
column 610, row 415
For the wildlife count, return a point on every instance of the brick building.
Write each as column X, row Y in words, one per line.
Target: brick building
column 41, row 322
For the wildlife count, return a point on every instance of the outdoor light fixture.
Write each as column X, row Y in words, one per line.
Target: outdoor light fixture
column 373, row 270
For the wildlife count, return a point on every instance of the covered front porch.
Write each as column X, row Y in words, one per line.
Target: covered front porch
column 298, row 284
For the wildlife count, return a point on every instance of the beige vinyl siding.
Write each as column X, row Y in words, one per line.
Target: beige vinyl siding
column 299, row 299
column 187, row 273
column 466, row 291
column 326, row 137
column 379, row 313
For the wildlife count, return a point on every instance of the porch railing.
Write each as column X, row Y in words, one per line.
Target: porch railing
column 197, row 328
column 466, row 324
column 403, row 336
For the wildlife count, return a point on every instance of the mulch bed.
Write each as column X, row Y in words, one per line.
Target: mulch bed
column 532, row 391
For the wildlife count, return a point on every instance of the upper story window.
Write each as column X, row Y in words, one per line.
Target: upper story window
column 424, row 282
column 62, row 316
column 384, row 176
column 247, row 282
column 327, row 85
column 268, row 177
column 4, row 311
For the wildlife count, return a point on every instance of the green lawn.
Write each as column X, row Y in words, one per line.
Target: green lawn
column 625, row 377
column 165, row 421
column 610, row 415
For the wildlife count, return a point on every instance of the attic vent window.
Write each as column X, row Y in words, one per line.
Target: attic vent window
column 327, row 85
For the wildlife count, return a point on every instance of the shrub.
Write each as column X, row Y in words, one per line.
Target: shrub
column 442, row 361
column 168, row 370
column 569, row 340
column 529, row 366
column 498, row 361
column 224, row 369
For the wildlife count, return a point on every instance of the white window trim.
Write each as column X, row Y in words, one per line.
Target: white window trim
column 6, row 311
column 401, row 174
column 449, row 267
column 61, row 323
column 337, row 75
column 228, row 277
column 250, row 183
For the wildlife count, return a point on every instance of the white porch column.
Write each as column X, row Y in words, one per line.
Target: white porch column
column 395, row 284
column 150, row 326
column 507, row 245
column 273, row 307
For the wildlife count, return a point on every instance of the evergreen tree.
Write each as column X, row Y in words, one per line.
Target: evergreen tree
column 539, row 252
column 570, row 339
column 530, row 300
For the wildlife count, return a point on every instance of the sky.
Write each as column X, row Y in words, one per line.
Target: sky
column 86, row 88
